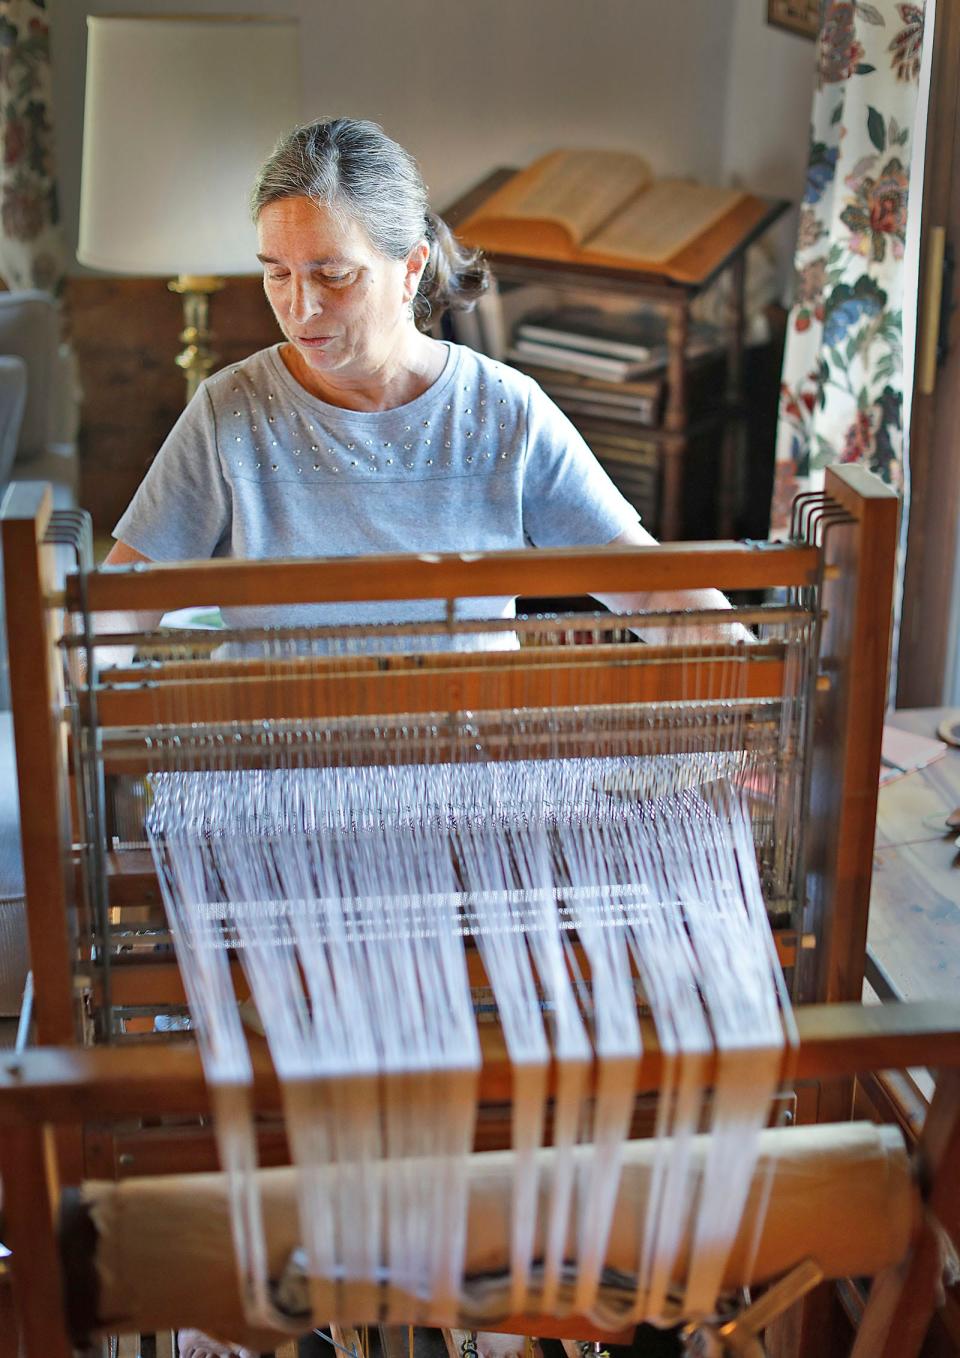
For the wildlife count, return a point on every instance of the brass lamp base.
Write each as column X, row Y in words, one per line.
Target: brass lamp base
column 197, row 358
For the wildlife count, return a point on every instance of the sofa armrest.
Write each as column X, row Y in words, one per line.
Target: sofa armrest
column 30, row 329
column 13, row 396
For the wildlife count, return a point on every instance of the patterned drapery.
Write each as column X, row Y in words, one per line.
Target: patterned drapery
column 31, row 245
column 841, row 398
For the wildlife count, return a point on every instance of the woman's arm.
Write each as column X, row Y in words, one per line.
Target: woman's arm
column 568, row 499
column 637, row 536
column 121, row 554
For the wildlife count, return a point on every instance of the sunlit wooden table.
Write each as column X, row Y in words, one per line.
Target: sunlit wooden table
column 913, row 941
column 914, row 931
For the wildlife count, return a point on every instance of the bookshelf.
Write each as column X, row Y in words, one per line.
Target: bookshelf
column 662, row 468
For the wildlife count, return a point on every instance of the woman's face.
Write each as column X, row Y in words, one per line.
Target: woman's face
column 341, row 304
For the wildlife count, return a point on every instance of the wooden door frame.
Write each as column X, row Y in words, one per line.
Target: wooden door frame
column 932, row 538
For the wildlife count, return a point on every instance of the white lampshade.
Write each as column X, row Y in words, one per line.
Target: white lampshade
column 180, row 114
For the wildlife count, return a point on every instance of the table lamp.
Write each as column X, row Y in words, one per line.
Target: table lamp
column 179, row 115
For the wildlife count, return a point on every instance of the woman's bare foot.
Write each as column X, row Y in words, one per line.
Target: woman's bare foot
column 196, row 1344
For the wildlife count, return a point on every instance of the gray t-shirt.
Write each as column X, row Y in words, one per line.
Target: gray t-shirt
column 257, row 467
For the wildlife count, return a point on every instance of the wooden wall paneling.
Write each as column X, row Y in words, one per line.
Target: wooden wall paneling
column 9, row 1327
column 126, row 335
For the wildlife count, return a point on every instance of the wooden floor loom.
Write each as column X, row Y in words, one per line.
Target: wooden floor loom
column 113, row 1094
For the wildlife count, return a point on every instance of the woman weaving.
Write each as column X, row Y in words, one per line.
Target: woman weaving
column 361, row 434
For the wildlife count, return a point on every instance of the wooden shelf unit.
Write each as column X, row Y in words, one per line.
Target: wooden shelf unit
column 719, row 251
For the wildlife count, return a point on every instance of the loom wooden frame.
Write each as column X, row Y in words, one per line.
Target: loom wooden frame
column 292, row 689
column 44, row 1089
column 45, row 1106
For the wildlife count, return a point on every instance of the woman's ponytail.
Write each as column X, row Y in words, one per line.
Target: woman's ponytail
column 455, row 276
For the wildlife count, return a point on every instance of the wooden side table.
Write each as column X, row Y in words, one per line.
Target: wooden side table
column 913, row 940
column 718, row 251
column 913, row 944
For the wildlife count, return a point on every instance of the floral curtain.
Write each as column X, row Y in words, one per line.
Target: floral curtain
column 31, row 246
column 841, row 398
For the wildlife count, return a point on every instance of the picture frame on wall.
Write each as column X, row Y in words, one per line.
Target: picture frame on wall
column 799, row 16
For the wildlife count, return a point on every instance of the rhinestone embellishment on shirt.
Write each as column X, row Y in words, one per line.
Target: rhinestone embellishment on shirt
column 419, row 446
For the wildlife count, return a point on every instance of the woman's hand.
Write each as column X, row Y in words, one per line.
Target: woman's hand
column 663, row 601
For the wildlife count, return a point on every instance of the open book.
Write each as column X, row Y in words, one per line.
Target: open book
column 604, row 207
column 904, row 752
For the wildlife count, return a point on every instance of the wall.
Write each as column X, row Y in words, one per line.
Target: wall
column 695, row 85
column 769, row 90
column 699, row 86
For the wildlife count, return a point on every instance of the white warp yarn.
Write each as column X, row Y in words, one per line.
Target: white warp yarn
column 347, row 893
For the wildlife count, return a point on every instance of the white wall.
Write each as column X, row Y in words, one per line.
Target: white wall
column 769, row 92
column 769, row 77
column 701, row 87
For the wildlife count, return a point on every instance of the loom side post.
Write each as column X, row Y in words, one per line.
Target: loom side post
column 37, row 698
column 30, row 1190
column 857, row 565
column 857, row 597
column 43, row 779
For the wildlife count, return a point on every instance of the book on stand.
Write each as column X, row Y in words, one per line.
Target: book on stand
column 607, row 208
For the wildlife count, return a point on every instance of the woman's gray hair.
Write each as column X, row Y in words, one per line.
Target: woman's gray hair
column 351, row 166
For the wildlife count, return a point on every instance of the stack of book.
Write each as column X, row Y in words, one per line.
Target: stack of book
column 614, row 345
column 630, row 460
column 635, row 402
column 602, row 363
column 607, row 371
